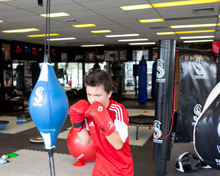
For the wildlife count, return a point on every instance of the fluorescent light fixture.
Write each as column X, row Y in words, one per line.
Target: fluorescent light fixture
column 101, row 31
column 21, row 30
column 1, row 21
column 151, row 20
column 146, row 43
column 43, row 35
column 92, row 45
column 136, row 7
column 165, row 33
column 182, row 3
column 133, row 40
column 196, row 41
column 184, row 32
column 188, row 32
column 4, row 0
column 84, row 25
column 61, row 39
column 197, row 37
column 54, row 15
column 123, row 35
column 193, row 25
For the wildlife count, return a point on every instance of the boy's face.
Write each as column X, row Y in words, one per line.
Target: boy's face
column 98, row 94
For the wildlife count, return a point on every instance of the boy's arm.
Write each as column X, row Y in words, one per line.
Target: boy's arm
column 115, row 140
column 84, row 137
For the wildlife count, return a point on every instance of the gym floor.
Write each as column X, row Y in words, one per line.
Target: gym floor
column 144, row 163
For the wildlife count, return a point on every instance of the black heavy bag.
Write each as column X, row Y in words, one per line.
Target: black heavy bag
column 206, row 135
column 142, row 82
column 197, row 79
column 164, row 104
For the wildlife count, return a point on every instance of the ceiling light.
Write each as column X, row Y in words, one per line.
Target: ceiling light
column 136, row 7
column 193, row 25
column 165, row 33
column 101, row 31
column 151, row 20
column 92, row 45
column 53, row 15
column 4, row 0
column 84, row 25
column 43, row 35
column 184, row 32
column 60, row 39
column 187, row 32
column 132, row 40
column 1, row 21
column 146, row 43
column 196, row 41
column 197, row 37
column 182, row 3
column 123, row 35
column 21, row 30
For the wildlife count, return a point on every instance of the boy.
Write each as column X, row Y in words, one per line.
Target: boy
column 107, row 122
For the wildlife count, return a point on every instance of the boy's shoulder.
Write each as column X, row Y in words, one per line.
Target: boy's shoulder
column 113, row 103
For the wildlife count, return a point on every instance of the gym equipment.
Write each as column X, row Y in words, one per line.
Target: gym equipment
column 197, row 79
column 99, row 113
column 77, row 150
column 23, row 118
column 142, row 81
column 48, row 103
column 187, row 162
column 206, row 134
column 164, row 110
column 77, row 116
column 3, row 124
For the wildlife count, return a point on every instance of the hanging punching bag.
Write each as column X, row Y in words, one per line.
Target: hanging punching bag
column 48, row 105
column 142, row 81
column 206, row 134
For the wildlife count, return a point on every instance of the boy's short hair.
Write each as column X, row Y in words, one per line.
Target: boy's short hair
column 99, row 77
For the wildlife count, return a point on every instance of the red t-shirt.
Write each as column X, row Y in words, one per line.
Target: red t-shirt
column 109, row 161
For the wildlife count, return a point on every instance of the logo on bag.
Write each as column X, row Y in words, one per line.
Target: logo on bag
column 197, row 111
column 217, row 162
column 160, row 71
column 199, row 68
column 39, row 96
column 100, row 108
column 157, row 132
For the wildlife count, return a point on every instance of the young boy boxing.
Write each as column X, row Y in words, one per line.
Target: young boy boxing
column 105, row 121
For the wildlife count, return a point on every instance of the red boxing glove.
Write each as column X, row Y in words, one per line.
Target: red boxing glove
column 100, row 114
column 77, row 117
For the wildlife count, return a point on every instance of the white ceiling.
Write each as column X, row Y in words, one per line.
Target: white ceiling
column 106, row 14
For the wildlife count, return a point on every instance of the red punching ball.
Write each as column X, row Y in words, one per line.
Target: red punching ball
column 77, row 150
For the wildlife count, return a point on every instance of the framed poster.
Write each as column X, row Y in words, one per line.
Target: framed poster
column 113, row 55
column 90, row 56
column 79, row 58
column 6, row 52
column 63, row 57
